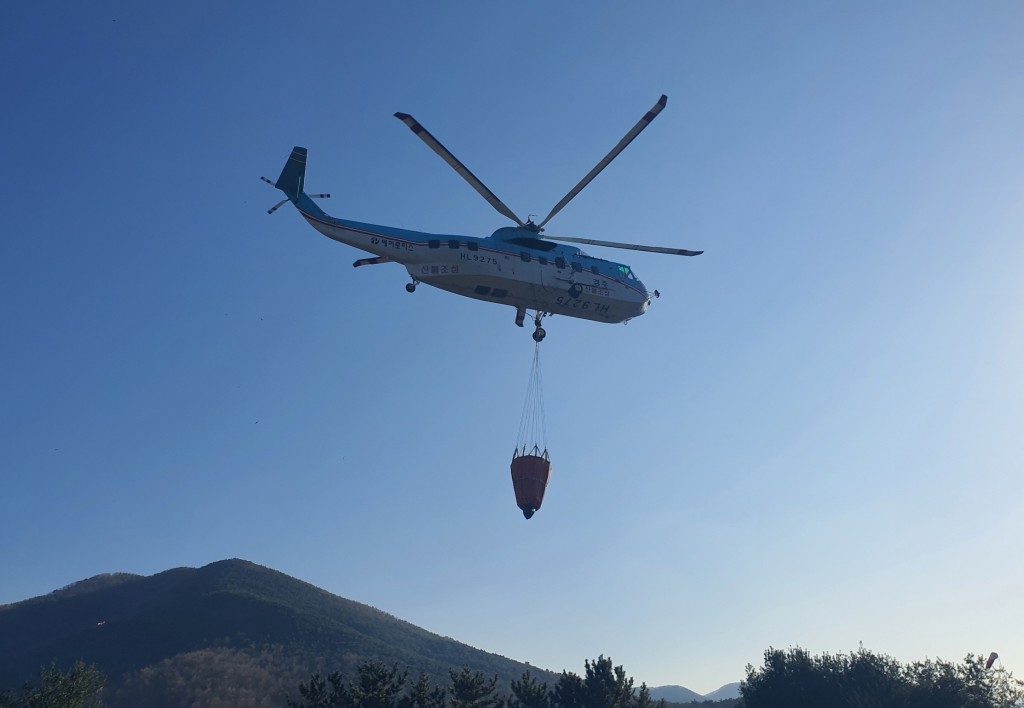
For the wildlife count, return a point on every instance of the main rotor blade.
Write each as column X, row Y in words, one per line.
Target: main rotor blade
column 630, row 246
column 637, row 129
column 435, row 145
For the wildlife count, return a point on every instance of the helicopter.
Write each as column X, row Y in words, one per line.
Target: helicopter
column 516, row 265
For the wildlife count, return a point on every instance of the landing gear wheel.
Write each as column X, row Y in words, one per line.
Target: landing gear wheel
column 538, row 336
column 410, row 287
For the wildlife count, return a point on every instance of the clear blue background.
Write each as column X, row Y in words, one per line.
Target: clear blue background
column 814, row 437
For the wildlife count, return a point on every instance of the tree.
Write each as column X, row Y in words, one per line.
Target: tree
column 644, row 700
column 568, row 691
column 80, row 687
column 870, row 680
column 529, row 693
column 863, row 679
column 603, row 686
column 473, row 690
column 790, row 678
column 939, row 683
column 321, row 693
column 423, row 694
column 379, row 685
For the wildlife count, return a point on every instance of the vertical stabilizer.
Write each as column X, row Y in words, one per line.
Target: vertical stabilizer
column 293, row 176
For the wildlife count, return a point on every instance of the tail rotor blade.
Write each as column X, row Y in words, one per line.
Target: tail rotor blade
column 637, row 129
column 474, row 182
column 277, row 206
column 629, row 246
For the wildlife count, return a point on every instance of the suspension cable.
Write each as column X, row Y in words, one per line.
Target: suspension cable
column 533, row 434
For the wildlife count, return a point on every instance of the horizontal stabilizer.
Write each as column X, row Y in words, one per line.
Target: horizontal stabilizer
column 371, row 261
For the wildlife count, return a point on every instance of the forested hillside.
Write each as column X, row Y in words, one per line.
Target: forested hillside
column 257, row 629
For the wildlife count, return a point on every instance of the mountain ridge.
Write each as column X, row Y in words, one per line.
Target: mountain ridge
column 231, row 603
column 681, row 694
column 729, row 690
column 675, row 694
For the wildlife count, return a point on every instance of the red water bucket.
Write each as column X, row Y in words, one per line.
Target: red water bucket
column 530, row 475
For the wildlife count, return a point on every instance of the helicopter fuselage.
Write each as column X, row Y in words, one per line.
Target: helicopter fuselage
column 511, row 267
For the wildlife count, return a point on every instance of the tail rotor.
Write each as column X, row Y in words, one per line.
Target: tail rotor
column 281, row 203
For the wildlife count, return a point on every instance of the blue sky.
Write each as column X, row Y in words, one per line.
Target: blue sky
column 813, row 437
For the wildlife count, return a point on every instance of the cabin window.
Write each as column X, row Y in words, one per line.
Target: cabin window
column 594, row 270
column 577, row 268
column 543, row 260
column 498, row 292
column 472, row 245
column 524, row 256
column 434, row 243
column 560, row 262
column 481, row 290
column 453, row 243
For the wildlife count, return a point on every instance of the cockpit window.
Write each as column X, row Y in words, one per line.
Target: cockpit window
column 626, row 272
